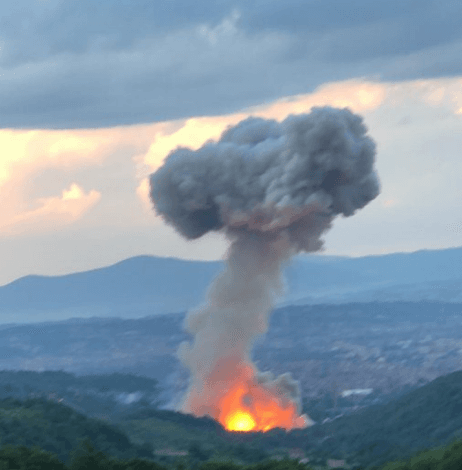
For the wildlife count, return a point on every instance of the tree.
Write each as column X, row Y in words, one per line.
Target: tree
column 197, row 452
column 23, row 458
column 138, row 464
column 85, row 457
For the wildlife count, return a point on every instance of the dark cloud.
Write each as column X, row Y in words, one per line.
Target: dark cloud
column 90, row 64
column 35, row 30
column 410, row 32
column 322, row 15
column 263, row 176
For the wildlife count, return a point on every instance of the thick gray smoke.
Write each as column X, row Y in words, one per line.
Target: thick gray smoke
column 273, row 189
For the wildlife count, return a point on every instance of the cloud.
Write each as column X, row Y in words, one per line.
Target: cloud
column 191, row 132
column 417, row 127
column 142, row 191
column 52, row 211
column 24, row 151
column 358, row 95
column 416, row 124
column 105, row 64
column 79, row 26
column 389, row 29
column 419, row 136
column 37, row 165
column 228, row 27
column 194, row 132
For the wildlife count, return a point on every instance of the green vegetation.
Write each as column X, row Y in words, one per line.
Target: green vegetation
column 428, row 417
column 58, row 429
column 424, row 418
column 86, row 457
column 202, row 438
column 38, row 434
column 442, row 458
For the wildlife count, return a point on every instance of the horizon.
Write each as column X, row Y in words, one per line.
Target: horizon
column 298, row 256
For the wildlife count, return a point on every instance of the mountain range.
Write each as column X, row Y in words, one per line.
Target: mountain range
column 146, row 285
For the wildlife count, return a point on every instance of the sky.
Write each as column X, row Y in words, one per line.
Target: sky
column 94, row 95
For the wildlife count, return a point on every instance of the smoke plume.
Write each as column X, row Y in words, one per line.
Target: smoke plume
column 274, row 189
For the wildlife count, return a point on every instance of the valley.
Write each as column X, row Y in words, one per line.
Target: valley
column 332, row 350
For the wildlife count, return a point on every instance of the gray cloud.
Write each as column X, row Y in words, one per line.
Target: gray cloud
column 274, row 189
column 394, row 36
column 259, row 169
column 34, row 29
column 92, row 64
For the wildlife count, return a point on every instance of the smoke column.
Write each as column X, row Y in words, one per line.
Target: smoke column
column 274, row 189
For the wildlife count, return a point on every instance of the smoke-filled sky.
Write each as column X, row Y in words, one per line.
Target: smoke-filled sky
column 94, row 95
column 274, row 189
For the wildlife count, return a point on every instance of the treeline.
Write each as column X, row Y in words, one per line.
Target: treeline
column 442, row 458
column 23, row 383
column 86, row 457
column 423, row 419
column 58, row 429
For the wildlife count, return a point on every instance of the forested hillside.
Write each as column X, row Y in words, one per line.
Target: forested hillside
column 86, row 457
column 422, row 419
column 428, row 416
column 58, row 429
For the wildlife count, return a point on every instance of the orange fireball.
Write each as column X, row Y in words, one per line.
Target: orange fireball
column 240, row 421
column 247, row 408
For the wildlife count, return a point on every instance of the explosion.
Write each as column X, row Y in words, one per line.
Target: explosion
column 253, row 408
column 273, row 189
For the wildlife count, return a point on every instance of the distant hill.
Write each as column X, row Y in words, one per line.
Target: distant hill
column 423, row 275
column 130, row 289
column 146, row 285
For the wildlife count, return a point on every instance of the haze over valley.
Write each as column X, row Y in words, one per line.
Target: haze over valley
column 354, row 341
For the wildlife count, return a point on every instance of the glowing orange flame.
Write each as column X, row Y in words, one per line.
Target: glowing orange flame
column 253, row 408
column 242, row 400
column 240, row 421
